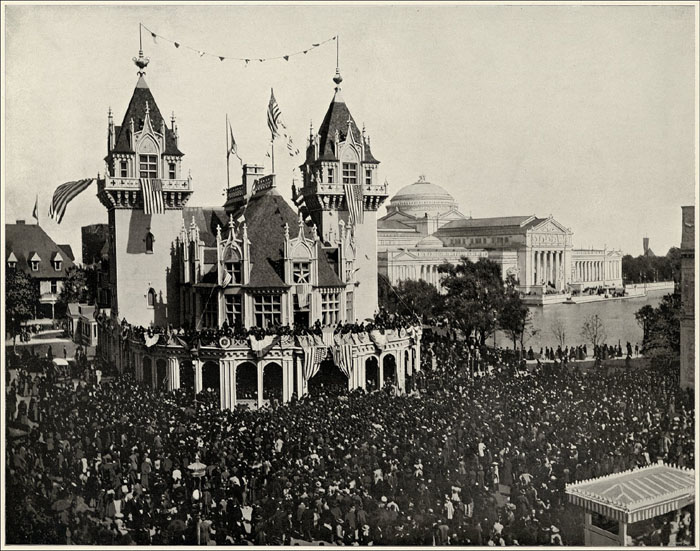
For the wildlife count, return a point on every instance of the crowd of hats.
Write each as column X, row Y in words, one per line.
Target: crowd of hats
column 462, row 459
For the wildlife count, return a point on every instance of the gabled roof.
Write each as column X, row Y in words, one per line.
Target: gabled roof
column 498, row 221
column 137, row 111
column 265, row 216
column 384, row 224
column 206, row 219
column 337, row 118
column 27, row 240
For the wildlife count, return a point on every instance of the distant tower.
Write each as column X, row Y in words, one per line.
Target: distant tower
column 341, row 183
column 645, row 245
column 139, row 244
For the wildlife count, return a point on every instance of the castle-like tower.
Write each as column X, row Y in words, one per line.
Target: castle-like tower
column 143, row 148
column 341, row 184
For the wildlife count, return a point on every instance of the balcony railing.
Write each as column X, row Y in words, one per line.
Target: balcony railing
column 130, row 184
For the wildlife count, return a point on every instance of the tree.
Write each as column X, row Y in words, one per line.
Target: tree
column 474, row 295
column 21, row 300
column 593, row 330
column 80, row 285
column 410, row 297
column 662, row 339
column 558, row 329
column 513, row 316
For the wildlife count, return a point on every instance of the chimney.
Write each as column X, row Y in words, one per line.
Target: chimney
column 20, row 222
column 250, row 174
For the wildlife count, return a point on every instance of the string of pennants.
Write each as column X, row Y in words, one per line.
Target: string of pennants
column 247, row 60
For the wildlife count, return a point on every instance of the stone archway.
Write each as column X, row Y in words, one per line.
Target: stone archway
column 211, row 380
column 247, row 384
column 389, row 371
column 187, row 376
column 161, row 374
column 371, row 374
column 147, row 371
column 328, row 380
column 273, row 383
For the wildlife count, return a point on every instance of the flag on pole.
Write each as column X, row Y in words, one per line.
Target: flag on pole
column 152, row 189
column 355, row 201
column 35, row 212
column 233, row 146
column 274, row 116
column 64, row 194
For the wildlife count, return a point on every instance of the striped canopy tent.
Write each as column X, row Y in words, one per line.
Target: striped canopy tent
column 636, row 495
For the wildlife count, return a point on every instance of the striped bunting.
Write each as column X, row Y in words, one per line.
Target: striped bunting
column 355, row 203
column 152, row 189
column 64, row 194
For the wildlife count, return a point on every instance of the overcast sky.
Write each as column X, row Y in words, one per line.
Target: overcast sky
column 582, row 112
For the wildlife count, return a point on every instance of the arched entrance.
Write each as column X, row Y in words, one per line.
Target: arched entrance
column 389, row 368
column 210, row 376
column 147, row 371
column 272, row 382
column 247, row 384
column 371, row 374
column 328, row 380
column 187, row 377
column 161, row 373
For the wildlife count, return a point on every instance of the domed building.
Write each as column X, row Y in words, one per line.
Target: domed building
column 421, row 198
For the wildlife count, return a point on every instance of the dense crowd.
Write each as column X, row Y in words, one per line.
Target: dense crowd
column 462, row 460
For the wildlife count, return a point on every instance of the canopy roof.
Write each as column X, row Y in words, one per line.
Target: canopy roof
column 636, row 495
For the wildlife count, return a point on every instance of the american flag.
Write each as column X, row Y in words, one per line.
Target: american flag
column 233, row 146
column 64, row 194
column 152, row 189
column 355, row 200
column 274, row 116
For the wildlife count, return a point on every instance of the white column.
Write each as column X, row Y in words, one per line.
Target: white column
column 154, row 374
column 401, row 372
column 223, row 383
column 173, row 374
column 260, row 384
column 381, row 371
column 197, row 364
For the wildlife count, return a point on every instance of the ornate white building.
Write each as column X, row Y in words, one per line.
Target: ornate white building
column 188, row 283
column 423, row 228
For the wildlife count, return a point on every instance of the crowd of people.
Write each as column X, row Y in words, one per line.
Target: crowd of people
column 600, row 352
column 461, row 460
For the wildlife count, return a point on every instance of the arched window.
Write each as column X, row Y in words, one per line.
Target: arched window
column 149, row 242
column 151, row 298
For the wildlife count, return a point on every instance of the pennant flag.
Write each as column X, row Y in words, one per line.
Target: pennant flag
column 227, row 279
column 315, row 45
column 152, row 189
column 154, row 38
column 35, row 213
column 274, row 116
column 177, row 45
column 201, row 53
column 64, row 194
column 286, row 57
column 355, row 202
column 233, row 146
column 221, row 57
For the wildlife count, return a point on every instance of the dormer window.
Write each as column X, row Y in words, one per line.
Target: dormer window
column 35, row 265
column 171, row 171
column 349, row 173
column 331, row 175
column 148, row 166
column 301, row 272
column 123, row 169
column 368, row 176
column 57, row 264
column 149, row 243
column 234, row 271
column 12, row 261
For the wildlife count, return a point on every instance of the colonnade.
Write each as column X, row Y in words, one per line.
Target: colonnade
column 597, row 270
column 547, row 266
column 426, row 272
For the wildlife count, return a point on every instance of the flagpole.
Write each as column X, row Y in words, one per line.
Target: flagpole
column 272, row 144
column 228, row 154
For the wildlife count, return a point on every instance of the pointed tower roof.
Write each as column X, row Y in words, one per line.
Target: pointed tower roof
column 137, row 111
column 336, row 119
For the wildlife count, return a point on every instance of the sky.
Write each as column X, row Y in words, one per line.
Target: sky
column 582, row 112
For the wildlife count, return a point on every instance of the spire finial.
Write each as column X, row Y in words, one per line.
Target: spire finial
column 337, row 78
column 141, row 62
column 148, row 110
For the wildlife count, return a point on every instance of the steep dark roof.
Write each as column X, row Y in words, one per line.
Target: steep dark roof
column 26, row 239
column 137, row 111
column 206, row 219
column 337, row 118
column 68, row 250
column 266, row 214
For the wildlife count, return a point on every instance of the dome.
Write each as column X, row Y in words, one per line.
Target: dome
column 420, row 198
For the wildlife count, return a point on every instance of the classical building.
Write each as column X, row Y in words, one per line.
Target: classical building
column 687, row 376
column 30, row 249
column 423, row 228
column 210, row 273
